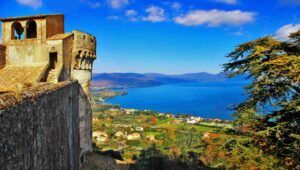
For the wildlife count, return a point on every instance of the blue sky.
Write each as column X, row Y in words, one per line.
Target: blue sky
column 166, row 36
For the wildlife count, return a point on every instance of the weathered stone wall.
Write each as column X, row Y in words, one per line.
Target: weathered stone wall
column 2, row 55
column 85, row 124
column 39, row 127
column 85, row 42
column 67, row 53
column 55, row 25
column 84, row 77
column 84, row 53
column 27, row 53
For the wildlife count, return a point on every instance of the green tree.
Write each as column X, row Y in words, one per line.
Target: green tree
column 150, row 159
column 272, row 109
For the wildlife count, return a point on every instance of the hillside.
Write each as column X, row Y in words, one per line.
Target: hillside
column 132, row 137
column 154, row 79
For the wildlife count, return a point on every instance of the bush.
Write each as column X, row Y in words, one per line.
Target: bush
column 135, row 143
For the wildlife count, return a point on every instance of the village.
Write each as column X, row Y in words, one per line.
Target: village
column 129, row 131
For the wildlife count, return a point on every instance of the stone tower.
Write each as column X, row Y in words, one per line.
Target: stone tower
column 36, row 50
column 41, row 41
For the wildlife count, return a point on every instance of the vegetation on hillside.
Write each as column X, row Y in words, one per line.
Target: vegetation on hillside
column 134, row 133
column 146, row 139
column 271, row 115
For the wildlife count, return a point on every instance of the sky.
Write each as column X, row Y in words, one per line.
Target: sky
column 166, row 36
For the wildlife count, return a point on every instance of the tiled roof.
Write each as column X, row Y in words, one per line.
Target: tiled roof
column 28, row 17
column 60, row 36
column 12, row 75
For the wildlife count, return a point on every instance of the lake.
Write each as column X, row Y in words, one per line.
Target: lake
column 208, row 100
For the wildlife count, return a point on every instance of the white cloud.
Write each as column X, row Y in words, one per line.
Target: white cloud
column 117, row 4
column 214, row 18
column 131, row 14
column 31, row 3
column 284, row 32
column 176, row 5
column 155, row 14
column 230, row 2
column 92, row 4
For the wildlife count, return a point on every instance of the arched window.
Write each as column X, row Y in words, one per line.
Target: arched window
column 17, row 31
column 31, row 29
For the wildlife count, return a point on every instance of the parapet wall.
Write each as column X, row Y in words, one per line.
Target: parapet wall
column 39, row 127
column 2, row 55
column 85, row 125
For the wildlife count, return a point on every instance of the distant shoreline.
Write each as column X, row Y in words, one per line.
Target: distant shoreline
column 207, row 100
column 136, row 80
column 180, row 116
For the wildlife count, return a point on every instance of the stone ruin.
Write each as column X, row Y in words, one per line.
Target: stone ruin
column 45, row 109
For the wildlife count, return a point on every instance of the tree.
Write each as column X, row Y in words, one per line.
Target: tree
column 171, row 132
column 228, row 152
column 150, row 159
column 174, row 152
column 153, row 120
column 272, row 109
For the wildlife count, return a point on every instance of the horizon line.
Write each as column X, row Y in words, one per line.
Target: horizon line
column 157, row 73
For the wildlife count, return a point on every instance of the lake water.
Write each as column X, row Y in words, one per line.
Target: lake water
column 208, row 100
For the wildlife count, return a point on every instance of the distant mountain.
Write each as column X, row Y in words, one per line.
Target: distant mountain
column 123, row 79
column 154, row 79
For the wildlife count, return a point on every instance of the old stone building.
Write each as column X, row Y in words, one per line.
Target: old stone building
column 43, row 72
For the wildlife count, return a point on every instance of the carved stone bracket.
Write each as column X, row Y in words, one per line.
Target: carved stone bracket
column 84, row 60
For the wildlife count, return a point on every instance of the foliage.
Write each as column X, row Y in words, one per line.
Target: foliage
column 133, row 143
column 153, row 159
column 272, row 111
column 235, row 152
column 153, row 120
column 178, row 143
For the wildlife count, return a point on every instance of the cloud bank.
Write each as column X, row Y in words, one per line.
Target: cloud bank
column 117, row 4
column 284, row 32
column 215, row 18
column 155, row 14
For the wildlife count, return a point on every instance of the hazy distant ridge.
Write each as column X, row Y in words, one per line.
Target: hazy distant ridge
column 154, row 79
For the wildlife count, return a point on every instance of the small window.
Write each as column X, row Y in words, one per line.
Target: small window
column 17, row 31
column 84, row 37
column 31, row 29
